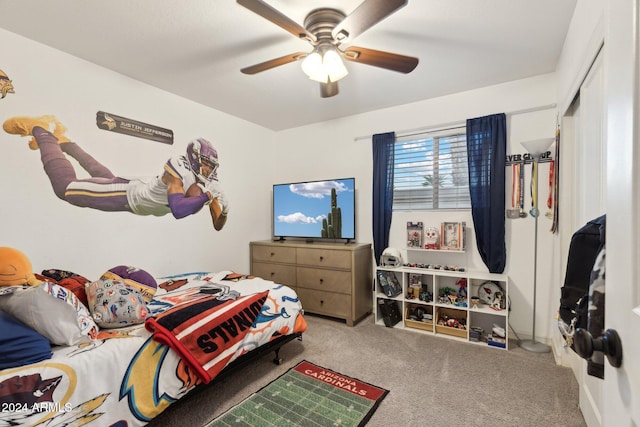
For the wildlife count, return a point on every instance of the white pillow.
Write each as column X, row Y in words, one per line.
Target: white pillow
column 51, row 310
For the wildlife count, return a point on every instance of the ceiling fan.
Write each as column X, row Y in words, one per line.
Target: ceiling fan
column 326, row 29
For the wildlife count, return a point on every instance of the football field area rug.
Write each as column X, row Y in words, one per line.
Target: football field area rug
column 306, row 395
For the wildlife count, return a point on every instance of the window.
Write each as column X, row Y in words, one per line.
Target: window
column 431, row 171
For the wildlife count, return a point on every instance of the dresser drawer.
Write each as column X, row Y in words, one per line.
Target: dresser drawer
column 327, row 303
column 324, row 280
column 324, row 258
column 282, row 274
column 273, row 254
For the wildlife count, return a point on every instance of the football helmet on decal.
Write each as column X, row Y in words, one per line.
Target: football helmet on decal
column 203, row 160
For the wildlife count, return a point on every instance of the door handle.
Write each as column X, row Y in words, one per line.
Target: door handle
column 609, row 344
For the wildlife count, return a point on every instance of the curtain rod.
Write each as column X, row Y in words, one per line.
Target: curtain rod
column 456, row 125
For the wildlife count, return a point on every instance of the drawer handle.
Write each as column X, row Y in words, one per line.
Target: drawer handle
column 273, row 253
column 321, row 281
column 321, row 302
column 321, row 258
column 273, row 274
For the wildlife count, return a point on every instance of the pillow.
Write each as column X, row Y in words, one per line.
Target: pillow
column 76, row 286
column 52, row 311
column 135, row 277
column 67, row 279
column 20, row 345
column 114, row 304
column 57, row 275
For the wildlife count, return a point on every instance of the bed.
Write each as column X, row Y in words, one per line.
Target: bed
column 198, row 325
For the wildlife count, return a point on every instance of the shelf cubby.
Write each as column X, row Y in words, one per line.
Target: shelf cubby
column 469, row 319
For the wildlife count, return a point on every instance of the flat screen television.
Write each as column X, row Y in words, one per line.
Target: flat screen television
column 315, row 210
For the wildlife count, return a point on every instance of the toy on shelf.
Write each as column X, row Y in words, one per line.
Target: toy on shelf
column 391, row 257
column 415, row 285
column 419, row 314
column 426, row 296
column 491, row 294
column 452, row 235
column 447, row 295
column 414, row 234
column 462, row 288
column 497, row 302
column 498, row 331
column 432, row 238
column 389, row 283
column 474, row 302
column 435, row 267
column 452, row 322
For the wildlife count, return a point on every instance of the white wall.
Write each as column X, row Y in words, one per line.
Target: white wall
column 307, row 146
column 55, row 234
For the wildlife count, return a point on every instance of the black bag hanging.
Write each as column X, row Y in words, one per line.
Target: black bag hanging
column 595, row 317
column 586, row 244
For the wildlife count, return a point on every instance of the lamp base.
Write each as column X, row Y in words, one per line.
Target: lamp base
column 534, row 346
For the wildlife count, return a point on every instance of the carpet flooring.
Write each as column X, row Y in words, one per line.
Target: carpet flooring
column 432, row 380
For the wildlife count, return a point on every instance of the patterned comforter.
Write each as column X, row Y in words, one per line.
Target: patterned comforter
column 126, row 377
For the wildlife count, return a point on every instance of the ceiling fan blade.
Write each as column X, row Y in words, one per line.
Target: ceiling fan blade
column 328, row 89
column 269, row 13
column 377, row 58
column 272, row 63
column 365, row 16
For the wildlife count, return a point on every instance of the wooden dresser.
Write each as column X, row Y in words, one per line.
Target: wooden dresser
column 332, row 279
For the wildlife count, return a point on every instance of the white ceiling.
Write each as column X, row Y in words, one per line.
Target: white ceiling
column 196, row 48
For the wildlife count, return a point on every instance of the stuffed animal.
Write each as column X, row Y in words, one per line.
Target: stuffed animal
column 15, row 268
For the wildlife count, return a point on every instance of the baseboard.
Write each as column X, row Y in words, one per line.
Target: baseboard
column 561, row 352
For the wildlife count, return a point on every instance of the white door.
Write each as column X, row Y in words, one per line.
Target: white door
column 622, row 386
column 589, row 200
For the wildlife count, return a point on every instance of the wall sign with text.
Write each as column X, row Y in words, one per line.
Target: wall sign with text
column 123, row 125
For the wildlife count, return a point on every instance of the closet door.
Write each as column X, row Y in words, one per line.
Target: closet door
column 622, row 311
column 584, row 172
column 591, row 148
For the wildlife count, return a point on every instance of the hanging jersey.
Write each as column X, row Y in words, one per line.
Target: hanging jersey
column 149, row 197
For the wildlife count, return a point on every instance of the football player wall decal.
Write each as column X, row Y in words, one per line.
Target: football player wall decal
column 159, row 195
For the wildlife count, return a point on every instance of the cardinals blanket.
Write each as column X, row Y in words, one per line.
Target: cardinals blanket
column 201, row 322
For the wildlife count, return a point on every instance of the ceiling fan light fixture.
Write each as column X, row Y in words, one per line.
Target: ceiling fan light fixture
column 333, row 65
column 324, row 65
column 326, row 29
column 312, row 67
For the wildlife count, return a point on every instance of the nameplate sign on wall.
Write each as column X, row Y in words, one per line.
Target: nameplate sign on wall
column 527, row 158
column 123, row 125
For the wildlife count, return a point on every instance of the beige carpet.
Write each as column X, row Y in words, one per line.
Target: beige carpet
column 432, row 381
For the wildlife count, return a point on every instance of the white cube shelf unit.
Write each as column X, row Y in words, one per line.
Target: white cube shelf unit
column 460, row 320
